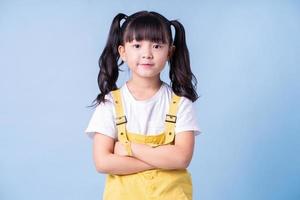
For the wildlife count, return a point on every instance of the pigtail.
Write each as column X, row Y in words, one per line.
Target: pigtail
column 183, row 81
column 108, row 61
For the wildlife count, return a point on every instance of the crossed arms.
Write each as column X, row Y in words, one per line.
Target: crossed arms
column 110, row 156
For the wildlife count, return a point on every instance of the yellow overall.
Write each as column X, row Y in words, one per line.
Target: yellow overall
column 155, row 184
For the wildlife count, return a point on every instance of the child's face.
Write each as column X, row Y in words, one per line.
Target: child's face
column 145, row 58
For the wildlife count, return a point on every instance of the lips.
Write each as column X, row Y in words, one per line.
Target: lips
column 146, row 64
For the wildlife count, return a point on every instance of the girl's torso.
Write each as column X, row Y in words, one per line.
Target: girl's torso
column 151, row 184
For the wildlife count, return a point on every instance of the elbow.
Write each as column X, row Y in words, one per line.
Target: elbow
column 184, row 162
column 184, row 165
column 102, row 166
column 101, row 169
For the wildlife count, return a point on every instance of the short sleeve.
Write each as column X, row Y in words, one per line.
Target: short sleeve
column 186, row 117
column 102, row 121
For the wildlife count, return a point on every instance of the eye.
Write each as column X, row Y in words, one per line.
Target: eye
column 136, row 46
column 157, row 46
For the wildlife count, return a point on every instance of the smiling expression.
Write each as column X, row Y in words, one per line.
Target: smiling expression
column 145, row 58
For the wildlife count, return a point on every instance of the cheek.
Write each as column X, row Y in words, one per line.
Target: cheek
column 165, row 54
column 131, row 56
column 163, row 57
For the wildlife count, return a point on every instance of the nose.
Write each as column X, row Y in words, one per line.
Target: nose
column 147, row 53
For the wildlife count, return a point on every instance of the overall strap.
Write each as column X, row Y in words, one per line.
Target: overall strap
column 171, row 119
column 121, row 119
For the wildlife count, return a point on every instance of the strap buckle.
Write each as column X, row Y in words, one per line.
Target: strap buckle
column 171, row 118
column 121, row 120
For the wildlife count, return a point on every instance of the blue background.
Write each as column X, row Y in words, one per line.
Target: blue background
column 245, row 55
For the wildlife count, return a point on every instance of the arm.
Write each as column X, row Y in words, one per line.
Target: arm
column 108, row 162
column 177, row 156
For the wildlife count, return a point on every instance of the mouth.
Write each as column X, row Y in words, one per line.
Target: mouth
column 146, row 65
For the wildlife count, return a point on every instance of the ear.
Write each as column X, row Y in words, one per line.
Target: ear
column 121, row 50
column 171, row 51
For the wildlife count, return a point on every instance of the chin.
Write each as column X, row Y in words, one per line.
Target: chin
column 147, row 75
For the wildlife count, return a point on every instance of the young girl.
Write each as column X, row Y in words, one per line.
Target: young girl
column 143, row 132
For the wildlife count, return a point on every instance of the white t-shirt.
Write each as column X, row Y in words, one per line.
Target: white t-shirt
column 145, row 117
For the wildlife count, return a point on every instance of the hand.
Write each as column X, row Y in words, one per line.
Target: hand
column 120, row 149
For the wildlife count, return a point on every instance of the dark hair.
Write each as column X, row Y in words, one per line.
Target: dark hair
column 154, row 27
